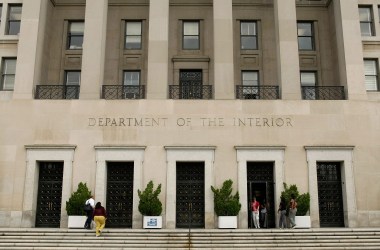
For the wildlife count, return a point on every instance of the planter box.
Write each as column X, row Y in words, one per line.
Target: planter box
column 152, row 222
column 303, row 222
column 76, row 221
column 227, row 221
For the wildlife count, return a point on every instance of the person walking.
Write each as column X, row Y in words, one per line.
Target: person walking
column 90, row 204
column 255, row 206
column 292, row 211
column 100, row 217
column 282, row 211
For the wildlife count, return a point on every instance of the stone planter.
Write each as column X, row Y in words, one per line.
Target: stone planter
column 152, row 222
column 303, row 222
column 76, row 221
column 227, row 221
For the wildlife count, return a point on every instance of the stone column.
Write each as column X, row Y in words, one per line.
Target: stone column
column 288, row 70
column 94, row 47
column 223, row 50
column 349, row 47
column 30, row 49
column 157, row 85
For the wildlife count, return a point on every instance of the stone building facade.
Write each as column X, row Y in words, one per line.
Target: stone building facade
column 189, row 93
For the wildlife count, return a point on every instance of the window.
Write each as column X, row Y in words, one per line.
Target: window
column 75, row 35
column 72, row 77
column 250, row 78
column 190, row 35
column 248, row 35
column 132, row 78
column 365, row 17
column 305, row 36
column 371, row 74
column 14, row 19
column 308, row 79
column 1, row 11
column 133, row 34
column 8, row 73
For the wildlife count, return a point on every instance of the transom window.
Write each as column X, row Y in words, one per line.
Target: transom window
column 72, row 77
column 14, row 19
column 75, row 35
column 8, row 73
column 133, row 34
column 191, row 35
column 308, row 78
column 366, row 22
column 132, row 78
column 305, row 36
column 371, row 74
column 248, row 35
column 250, row 78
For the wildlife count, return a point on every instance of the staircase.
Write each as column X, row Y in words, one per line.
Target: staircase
column 287, row 239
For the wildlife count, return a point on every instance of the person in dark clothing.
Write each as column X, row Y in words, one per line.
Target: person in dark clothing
column 282, row 211
column 91, row 202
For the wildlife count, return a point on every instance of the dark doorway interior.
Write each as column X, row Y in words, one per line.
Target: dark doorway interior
column 119, row 203
column 190, row 201
column 49, row 196
column 260, row 185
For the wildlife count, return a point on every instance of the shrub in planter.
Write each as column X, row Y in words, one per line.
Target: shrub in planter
column 303, row 200
column 226, row 203
column 74, row 206
column 149, row 204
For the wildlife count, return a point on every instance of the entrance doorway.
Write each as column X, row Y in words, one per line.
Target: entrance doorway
column 49, row 196
column 260, row 185
column 190, row 201
column 330, row 199
column 119, row 203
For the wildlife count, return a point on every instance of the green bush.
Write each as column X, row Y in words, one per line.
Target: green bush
column 74, row 206
column 149, row 204
column 226, row 204
column 303, row 200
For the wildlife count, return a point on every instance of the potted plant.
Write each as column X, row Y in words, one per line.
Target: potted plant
column 303, row 205
column 226, row 205
column 75, row 204
column 150, row 206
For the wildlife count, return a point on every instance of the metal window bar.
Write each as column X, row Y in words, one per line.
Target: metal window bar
column 190, row 92
column 323, row 93
column 114, row 92
column 257, row 92
column 57, row 92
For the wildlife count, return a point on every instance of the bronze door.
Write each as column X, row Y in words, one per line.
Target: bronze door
column 49, row 196
column 119, row 194
column 330, row 194
column 190, row 201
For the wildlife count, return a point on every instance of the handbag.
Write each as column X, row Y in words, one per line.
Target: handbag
column 87, row 207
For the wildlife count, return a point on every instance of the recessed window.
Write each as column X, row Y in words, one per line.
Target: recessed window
column 250, row 78
column 75, row 35
column 72, row 77
column 366, row 22
column 305, row 36
column 133, row 34
column 191, row 35
column 371, row 74
column 248, row 35
column 308, row 79
column 132, row 78
column 8, row 73
column 14, row 19
column 1, row 11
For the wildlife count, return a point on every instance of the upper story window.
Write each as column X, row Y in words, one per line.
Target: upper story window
column 191, row 35
column 248, row 35
column 305, row 36
column 75, row 35
column 132, row 78
column 1, row 11
column 250, row 78
column 14, row 19
column 371, row 74
column 8, row 73
column 366, row 21
column 133, row 34
column 72, row 77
